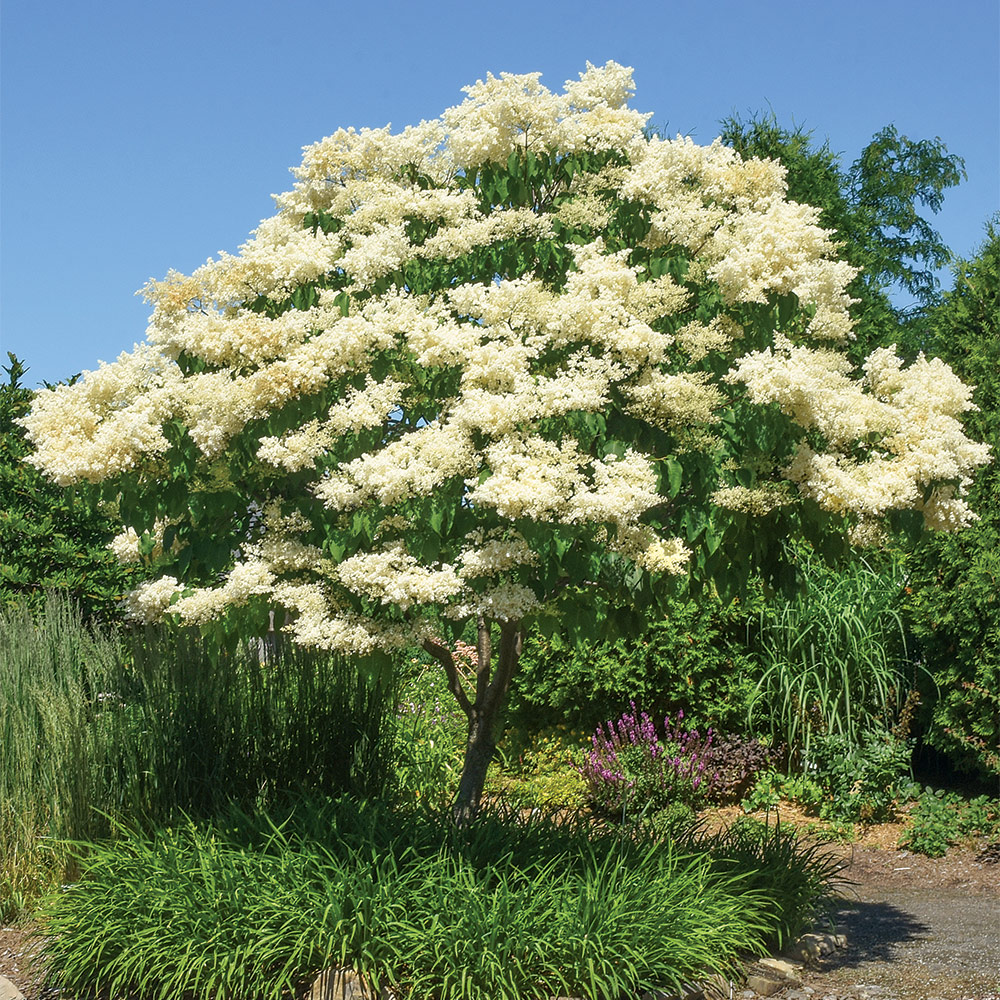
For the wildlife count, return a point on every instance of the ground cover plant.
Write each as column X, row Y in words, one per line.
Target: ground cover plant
column 515, row 367
column 940, row 819
column 509, row 907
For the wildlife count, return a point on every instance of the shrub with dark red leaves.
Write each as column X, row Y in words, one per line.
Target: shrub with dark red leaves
column 735, row 762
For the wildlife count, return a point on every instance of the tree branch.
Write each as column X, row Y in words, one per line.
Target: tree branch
column 510, row 653
column 484, row 657
column 443, row 655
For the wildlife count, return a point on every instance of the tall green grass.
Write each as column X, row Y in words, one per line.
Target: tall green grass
column 509, row 907
column 101, row 728
column 833, row 657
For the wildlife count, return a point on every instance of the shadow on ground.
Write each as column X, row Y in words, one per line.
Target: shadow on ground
column 916, row 944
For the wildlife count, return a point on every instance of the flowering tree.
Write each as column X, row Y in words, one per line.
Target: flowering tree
column 517, row 365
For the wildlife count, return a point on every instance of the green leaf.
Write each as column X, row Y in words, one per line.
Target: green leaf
column 675, row 476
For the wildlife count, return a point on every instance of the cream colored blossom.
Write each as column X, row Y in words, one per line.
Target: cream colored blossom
column 620, row 490
column 414, row 465
column 913, row 411
column 319, row 622
column 815, row 388
column 675, row 400
column 507, row 602
column 392, row 576
column 868, row 533
column 515, row 111
column 125, row 545
column 701, row 339
column 488, row 355
column 497, row 554
column 649, row 551
column 150, row 600
column 757, row 502
column 108, row 422
column 531, row 477
column 362, row 408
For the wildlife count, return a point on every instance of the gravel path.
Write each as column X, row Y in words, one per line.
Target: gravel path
column 913, row 945
column 918, row 929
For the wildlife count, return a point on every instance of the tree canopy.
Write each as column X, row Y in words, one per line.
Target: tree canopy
column 518, row 365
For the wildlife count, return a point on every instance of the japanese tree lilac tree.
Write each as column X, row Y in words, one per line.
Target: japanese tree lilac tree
column 516, row 366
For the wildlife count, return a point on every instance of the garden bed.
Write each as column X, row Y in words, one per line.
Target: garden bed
column 873, row 874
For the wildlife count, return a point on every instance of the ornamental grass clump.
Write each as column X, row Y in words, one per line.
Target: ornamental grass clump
column 512, row 907
column 631, row 767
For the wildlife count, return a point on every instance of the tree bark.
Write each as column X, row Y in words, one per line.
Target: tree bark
column 479, row 749
column 483, row 714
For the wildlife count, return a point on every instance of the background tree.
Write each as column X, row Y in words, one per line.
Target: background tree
column 953, row 581
column 516, row 367
column 874, row 209
column 49, row 538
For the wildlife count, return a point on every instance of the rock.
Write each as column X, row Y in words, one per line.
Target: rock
column 810, row 948
column 8, row 991
column 719, row 987
column 765, row 985
column 342, row 984
column 781, row 967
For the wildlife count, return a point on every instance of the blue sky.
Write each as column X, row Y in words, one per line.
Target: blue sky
column 139, row 137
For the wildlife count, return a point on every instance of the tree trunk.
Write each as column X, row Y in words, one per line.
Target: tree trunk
column 479, row 749
column 484, row 712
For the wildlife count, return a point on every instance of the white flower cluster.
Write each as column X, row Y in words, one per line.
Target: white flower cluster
column 647, row 549
column 496, row 553
column 361, row 408
column 515, row 112
column 675, row 400
column 150, row 600
column 392, row 576
column 733, row 215
column 411, row 466
column 315, row 335
column 507, row 602
column 244, row 580
column 701, row 339
column 125, row 545
column 320, row 621
column 756, row 502
column 108, row 422
column 912, row 412
column 813, row 386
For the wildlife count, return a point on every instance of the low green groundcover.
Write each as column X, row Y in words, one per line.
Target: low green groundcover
column 508, row 908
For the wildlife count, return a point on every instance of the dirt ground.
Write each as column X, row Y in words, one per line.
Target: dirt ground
column 918, row 929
